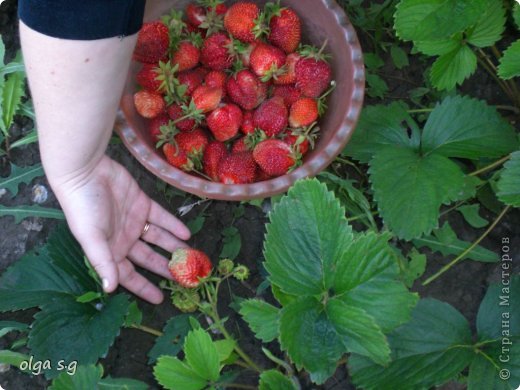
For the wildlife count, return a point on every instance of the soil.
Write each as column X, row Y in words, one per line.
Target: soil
column 463, row 286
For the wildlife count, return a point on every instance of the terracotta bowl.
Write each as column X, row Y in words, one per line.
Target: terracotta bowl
column 322, row 19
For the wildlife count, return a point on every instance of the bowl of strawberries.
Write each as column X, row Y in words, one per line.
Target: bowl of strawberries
column 236, row 100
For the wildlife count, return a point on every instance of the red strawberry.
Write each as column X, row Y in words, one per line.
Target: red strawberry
column 177, row 157
column 297, row 140
column 207, row 98
column 248, row 126
column 261, row 175
column 240, row 145
column 289, row 93
column 187, row 56
column 153, row 42
column 289, row 75
column 240, row 20
column 285, row 30
column 266, row 61
column 192, row 79
column 216, row 78
column 215, row 53
column 154, row 127
column 187, row 266
column 274, row 156
column 149, row 104
column 246, row 90
column 245, row 54
column 147, row 78
column 213, row 153
column 195, row 14
column 175, row 112
column 220, row 9
column 271, row 116
column 303, row 113
column 225, row 121
column 237, row 168
column 192, row 142
column 313, row 76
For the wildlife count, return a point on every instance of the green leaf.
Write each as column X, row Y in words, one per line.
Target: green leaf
column 414, row 268
column 373, row 61
column 439, row 47
column 224, row 348
column 202, row 355
column 275, row 380
column 509, row 183
column 33, row 281
column 472, row 216
column 421, row 20
column 121, row 384
column 2, row 53
column 501, row 305
column 516, row 15
column 409, row 189
column 85, row 377
column 134, row 317
column 70, row 331
column 13, row 358
column 445, row 241
column 10, row 326
column 89, row 297
column 11, row 98
column 196, row 224
column 306, row 234
column 490, row 27
column 232, row 243
column 174, row 374
column 378, row 127
column 21, row 175
column 172, row 340
column 310, row 338
column 376, row 86
column 451, row 69
column 12, row 67
column 510, row 62
column 21, row 212
column 262, row 318
column 29, row 138
column 399, row 57
column 429, row 350
column 467, row 128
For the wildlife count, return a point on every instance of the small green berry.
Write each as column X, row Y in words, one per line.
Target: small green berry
column 186, row 300
column 241, row 272
column 225, row 266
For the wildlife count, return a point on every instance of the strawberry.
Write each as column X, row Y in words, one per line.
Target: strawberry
column 248, row 125
column 213, row 153
column 192, row 79
column 192, row 142
column 149, row 104
column 153, row 42
column 245, row 53
column 266, row 61
column 303, row 112
column 177, row 157
column 207, row 98
column 220, row 9
column 285, row 30
column 246, row 90
column 296, row 140
column 271, row 116
column 289, row 93
column 261, row 175
column 225, row 121
column 215, row 53
column 240, row 145
column 274, row 157
column 147, row 78
column 175, row 112
column 154, row 127
column 240, row 20
column 289, row 75
column 313, row 76
column 239, row 168
column 195, row 15
column 187, row 56
column 187, row 266
column 216, row 78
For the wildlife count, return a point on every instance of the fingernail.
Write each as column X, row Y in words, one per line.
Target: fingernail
column 105, row 284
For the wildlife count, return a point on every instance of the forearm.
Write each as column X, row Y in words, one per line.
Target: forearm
column 76, row 87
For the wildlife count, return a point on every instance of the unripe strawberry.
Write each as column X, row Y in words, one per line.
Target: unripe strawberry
column 187, row 266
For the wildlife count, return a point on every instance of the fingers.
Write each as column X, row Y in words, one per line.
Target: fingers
column 162, row 218
column 164, row 239
column 138, row 284
column 144, row 256
column 100, row 257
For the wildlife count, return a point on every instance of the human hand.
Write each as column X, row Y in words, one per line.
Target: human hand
column 107, row 211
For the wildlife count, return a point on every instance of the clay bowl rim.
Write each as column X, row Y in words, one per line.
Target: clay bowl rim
column 126, row 128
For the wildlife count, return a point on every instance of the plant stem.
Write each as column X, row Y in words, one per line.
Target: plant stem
column 420, row 111
column 509, row 108
column 490, row 166
column 493, row 74
column 468, row 250
column 356, row 217
column 147, row 329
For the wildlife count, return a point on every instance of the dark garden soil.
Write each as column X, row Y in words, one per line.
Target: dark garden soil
column 463, row 286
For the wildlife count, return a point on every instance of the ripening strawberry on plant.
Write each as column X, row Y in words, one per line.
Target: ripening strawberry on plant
column 188, row 266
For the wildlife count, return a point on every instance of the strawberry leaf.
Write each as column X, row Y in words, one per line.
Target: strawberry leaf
column 172, row 339
column 431, row 349
column 509, row 183
column 510, row 62
column 21, row 212
column 12, row 94
column 451, row 69
column 490, row 27
column 262, row 318
column 472, row 216
column 201, row 354
column 21, row 175
column 467, row 128
column 410, row 189
column 275, row 380
column 173, row 374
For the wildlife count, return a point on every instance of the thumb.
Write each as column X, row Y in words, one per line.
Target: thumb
column 99, row 255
